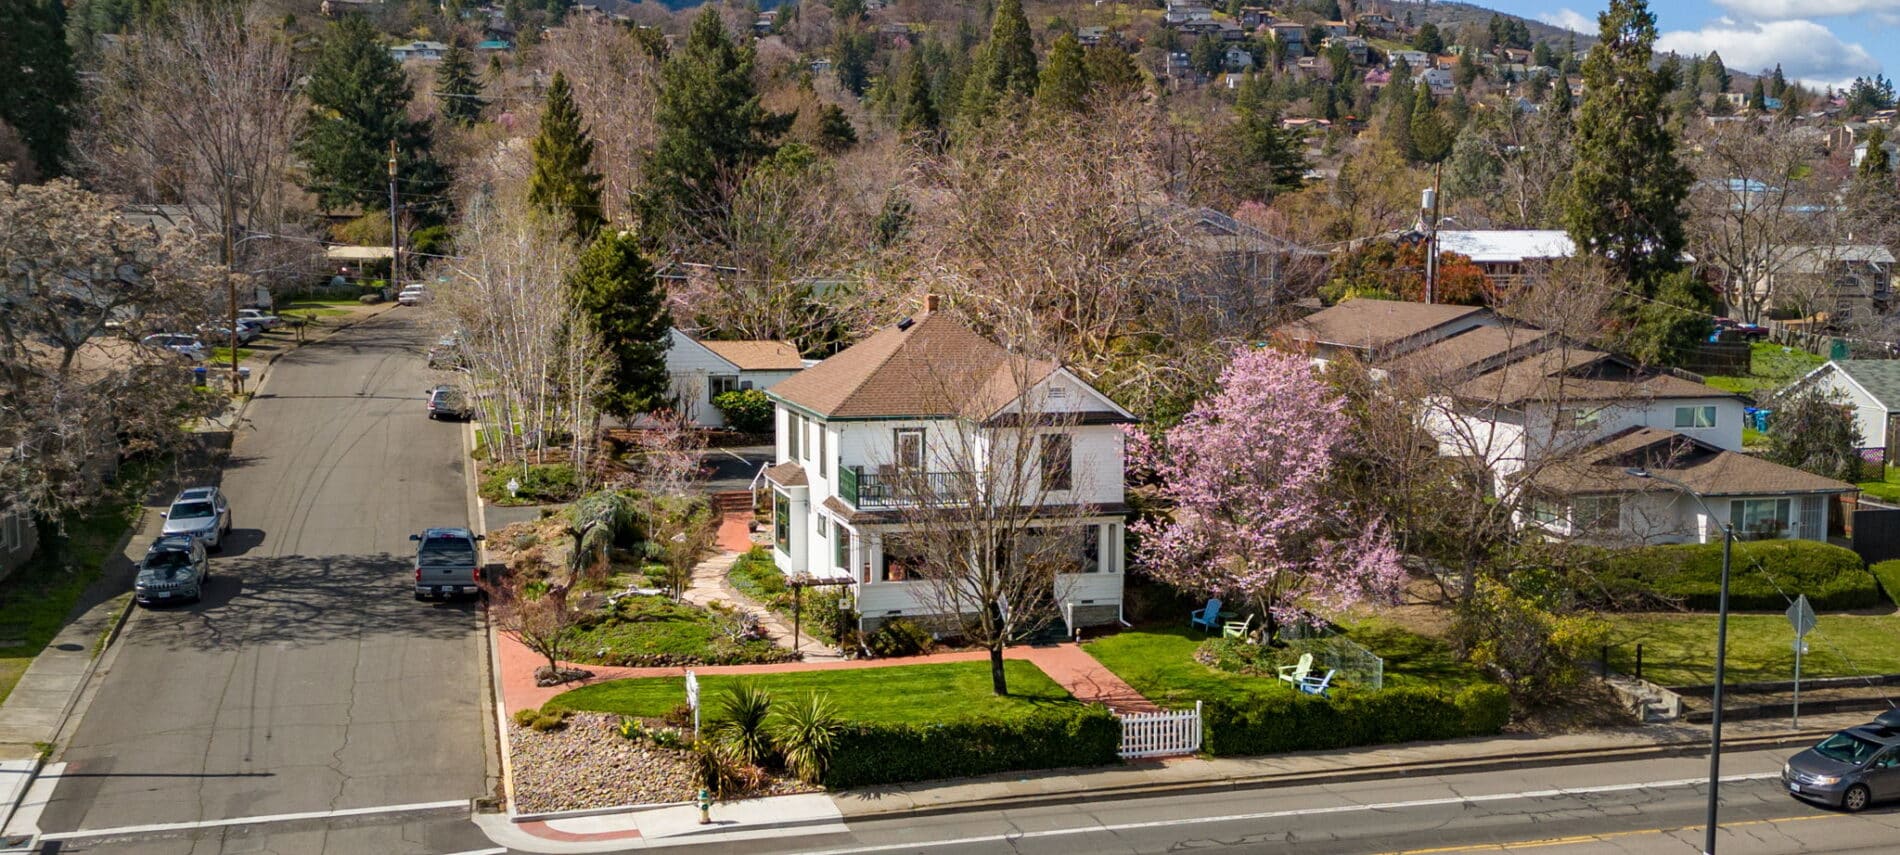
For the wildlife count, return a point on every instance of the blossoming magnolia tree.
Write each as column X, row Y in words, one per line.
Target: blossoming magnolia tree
column 1257, row 512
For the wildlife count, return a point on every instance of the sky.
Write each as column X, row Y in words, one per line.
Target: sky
column 1819, row 42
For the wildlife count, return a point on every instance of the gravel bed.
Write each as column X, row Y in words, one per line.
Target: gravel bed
column 589, row 765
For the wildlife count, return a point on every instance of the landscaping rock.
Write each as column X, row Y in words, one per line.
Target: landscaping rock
column 546, row 676
column 588, row 764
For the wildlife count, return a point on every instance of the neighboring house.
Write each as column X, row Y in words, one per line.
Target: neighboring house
column 494, row 46
column 1292, row 35
column 917, row 402
column 1840, row 280
column 1504, row 254
column 1872, row 388
column 1239, row 59
column 1243, row 269
column 18, row 538
column 1439, row 80
column 425, row 51
column 1416, row 61
column 1186, row 12
column 704, row 370
column 1376, row 25
column 1355, row 48
column 1564, row 422
column 1092, row 36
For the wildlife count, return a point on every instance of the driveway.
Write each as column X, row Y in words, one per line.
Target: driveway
column 308, row 680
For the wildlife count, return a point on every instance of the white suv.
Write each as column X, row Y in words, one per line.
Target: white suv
column 187, row 346
column 412, row 295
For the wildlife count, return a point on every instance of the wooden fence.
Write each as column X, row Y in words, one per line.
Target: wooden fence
column 1159, row 734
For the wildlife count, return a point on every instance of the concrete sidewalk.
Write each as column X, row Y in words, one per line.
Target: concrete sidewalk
column 583, row 831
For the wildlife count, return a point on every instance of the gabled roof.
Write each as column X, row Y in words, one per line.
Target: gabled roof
column 1372, row 324
column 1579, row 374
column 757, row 355
column 927, row 367
column 1880, row 378
column 1706, row 469
column 1475, row 349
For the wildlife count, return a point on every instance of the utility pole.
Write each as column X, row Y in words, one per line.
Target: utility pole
column 395, row 233
column 1431, row 240
column 229, row 214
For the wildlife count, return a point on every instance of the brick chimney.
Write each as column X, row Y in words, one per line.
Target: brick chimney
column 930, row 303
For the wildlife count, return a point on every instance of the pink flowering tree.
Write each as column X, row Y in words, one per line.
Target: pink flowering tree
column 1257, row 511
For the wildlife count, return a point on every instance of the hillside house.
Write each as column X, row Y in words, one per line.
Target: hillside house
column 1844, row 281
column 1560, row 426
column 1440, row 81
column 1238, row 59
column 1415, row 60
column 1290, row 34
column 419, row 50
column 1376, row 25
column 703, row 370
column 925, row 416
column 1506, row 255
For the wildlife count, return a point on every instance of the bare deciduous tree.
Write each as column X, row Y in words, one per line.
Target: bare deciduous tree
column 613, row 80
column 1754, row 208
column 537, row 615
column 988, row 522
column 198, row 106
column 69, row 391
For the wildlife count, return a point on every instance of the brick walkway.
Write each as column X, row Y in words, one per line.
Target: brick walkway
column 1085, row 678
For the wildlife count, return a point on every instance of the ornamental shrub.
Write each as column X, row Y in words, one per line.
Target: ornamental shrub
column 1273, row 722
column 1766, row 574
column 865, row 754
column 1887, row 573
column 746, row 410
column 1535, row 650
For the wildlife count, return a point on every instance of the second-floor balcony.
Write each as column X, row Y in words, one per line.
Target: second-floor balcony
column 901, row 488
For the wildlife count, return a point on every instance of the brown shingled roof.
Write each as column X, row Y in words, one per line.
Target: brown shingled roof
column 1475, row 349
column 757, row 355
column 1706, row 469
column 1373, row 323
column 1578, row 374
column 936, row 367
column 787, row 474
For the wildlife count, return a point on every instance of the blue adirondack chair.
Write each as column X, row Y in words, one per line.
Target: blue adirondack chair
column 1207, row 617
column 1316, row 685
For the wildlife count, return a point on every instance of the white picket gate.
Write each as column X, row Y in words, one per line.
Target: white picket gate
column 1158, row 734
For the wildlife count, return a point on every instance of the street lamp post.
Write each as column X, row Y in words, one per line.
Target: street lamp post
column 1721, row 651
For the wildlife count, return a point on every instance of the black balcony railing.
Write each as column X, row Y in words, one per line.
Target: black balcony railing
column 901, row 489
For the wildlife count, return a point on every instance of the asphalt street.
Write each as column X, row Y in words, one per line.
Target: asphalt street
column 1627, row 808
column 308, row 680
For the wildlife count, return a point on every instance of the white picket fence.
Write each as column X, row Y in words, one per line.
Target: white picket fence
column 1158, row 734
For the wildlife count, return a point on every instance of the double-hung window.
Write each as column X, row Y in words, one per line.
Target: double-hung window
column 1058, row 465
column 909, row 446
column 1759, row 519
column 841, row 546
column 795, row 425
column 782, row 522
column 1595, row 513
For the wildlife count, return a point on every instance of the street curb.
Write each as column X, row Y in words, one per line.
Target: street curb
column 578, row 813
column 478, row 521
column 1572, row 757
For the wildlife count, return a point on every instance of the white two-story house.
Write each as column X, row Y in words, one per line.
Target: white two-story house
column 1562, row 426
column 926, row 401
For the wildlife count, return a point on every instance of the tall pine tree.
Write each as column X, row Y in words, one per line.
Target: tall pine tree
column 38, row 87
column 712, row 131
column 457, row 87
column 359, row 102
column 1266, row 158
column 615, row 288
column 564, row 181
column 1876, row 165
column 1627, row 185
column 1005, row 67
column 1064, row 87
column 1432, row 131
column 917, row 110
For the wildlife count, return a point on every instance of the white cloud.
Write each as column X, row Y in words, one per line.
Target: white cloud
column 1787, row 10
column 1806, row 50
column 1570, row 19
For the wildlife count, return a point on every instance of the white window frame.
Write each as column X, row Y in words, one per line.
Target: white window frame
column 1695, row 416
column 1780, row 509
column 1596, row 513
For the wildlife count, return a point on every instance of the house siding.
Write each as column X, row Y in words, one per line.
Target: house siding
column 1870, row 415
column 19, row 537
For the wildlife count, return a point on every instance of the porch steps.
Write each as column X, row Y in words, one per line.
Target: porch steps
column 733, row 502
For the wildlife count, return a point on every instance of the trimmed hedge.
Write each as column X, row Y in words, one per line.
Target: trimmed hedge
column 865, row 754
column 1276, row 722
column 1833, row 578
column 1887, row 573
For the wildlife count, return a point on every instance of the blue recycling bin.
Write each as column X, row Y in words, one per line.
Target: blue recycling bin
column 198, row 375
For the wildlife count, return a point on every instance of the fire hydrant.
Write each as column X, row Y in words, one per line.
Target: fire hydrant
column 705, row 807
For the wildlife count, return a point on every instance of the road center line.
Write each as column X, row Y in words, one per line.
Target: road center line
column 1301, row 812
column 1600, row 838
column 163, row 827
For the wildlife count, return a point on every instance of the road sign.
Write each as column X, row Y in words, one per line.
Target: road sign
column 1802, row 616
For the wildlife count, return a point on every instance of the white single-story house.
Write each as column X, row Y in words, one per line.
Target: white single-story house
column 1503, row 253
column 702, row 370
column 1871, row 387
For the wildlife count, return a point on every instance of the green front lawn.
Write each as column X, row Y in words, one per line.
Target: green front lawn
column 1679, row 649
column 1159, row 663
column 918, row 694
column 36, row 599
column 1771, row 366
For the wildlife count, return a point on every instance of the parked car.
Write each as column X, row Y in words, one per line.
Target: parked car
column 174, row 569
column 200, row 512
column 446, row 352
column 259, row 317
column 448, row 402
column 1851, row 769
column 448, row 562
column 188, row 346
column 221, row 334
column 412, row 295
